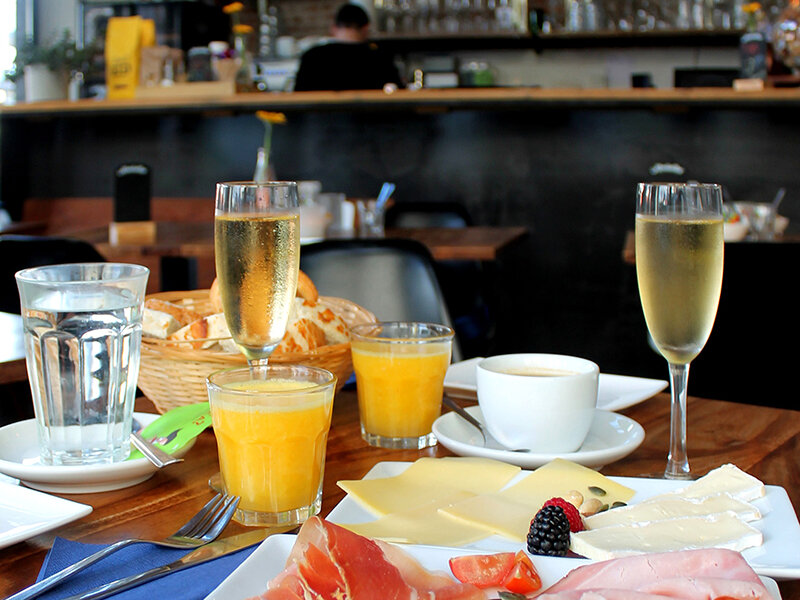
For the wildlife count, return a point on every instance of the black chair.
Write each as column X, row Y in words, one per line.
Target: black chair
column 462, row 281
column 393, row 278
column 19, row 252
column 427, row 214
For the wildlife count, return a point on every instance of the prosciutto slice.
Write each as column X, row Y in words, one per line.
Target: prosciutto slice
column 690, row 575
column 329, row 562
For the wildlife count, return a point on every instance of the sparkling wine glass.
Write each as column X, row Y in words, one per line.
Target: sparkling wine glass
column 679, row 255
column 257, row 249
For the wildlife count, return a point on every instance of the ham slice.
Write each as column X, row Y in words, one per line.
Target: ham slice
column 329, row 562
column 691, row 574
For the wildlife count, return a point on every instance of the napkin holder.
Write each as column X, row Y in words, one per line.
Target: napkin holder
column 132, row 223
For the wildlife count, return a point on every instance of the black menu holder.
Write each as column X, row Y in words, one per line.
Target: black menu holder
column 132, row 224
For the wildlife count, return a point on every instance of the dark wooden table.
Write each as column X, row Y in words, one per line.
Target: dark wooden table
column 184, row 239
column 762, row 441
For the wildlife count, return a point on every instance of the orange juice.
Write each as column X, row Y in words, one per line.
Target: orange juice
column 272, row 453
column 399, row 386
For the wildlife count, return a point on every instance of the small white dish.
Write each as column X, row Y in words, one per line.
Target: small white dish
column 19, row 458
column 249, row 580
column 610, row 438
column 614, row 392
column 778, row 557
column 25, row 513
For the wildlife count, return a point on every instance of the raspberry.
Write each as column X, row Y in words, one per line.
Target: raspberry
column 549, row 532
column 572, row 514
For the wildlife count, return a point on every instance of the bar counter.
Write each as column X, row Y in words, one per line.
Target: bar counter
column 449, row 99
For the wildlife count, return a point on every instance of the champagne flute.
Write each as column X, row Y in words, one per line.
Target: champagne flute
column 679, row 255
column 257, row 249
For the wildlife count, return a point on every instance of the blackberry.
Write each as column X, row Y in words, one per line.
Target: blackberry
column 549, row 532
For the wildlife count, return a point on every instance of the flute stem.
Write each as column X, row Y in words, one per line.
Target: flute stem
column 678, row 459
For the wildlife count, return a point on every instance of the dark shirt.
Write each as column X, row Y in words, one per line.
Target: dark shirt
column 346, row 66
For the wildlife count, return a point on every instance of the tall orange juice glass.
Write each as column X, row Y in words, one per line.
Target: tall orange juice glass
column 400, row 369
column 271, row 424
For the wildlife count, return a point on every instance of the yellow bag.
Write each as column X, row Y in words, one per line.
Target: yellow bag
column 123, row 43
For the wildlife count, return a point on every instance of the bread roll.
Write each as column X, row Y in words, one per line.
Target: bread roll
column 306, row 288
column 182, row 314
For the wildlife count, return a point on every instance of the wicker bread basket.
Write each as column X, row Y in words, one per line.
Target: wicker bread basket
column 173, row 373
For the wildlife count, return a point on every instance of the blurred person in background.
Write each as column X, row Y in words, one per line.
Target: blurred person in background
column 349, row 61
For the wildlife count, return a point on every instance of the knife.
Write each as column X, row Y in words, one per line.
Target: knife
column 195, row 557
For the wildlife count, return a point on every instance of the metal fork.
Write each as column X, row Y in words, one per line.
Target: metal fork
column 202, row 528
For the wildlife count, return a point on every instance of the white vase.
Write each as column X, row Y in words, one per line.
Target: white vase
column 43, row 84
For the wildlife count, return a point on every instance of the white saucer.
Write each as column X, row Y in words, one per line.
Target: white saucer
column 614, row 392
column 25, row 513
column 19, row 458
column 611, row 437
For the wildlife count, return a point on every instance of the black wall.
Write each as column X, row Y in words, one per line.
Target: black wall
column 567, row 174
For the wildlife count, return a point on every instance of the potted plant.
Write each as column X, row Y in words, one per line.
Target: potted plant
column 46, row 68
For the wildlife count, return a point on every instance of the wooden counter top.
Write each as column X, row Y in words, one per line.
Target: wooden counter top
column 426, row 99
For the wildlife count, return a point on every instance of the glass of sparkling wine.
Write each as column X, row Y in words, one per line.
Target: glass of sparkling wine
column 257, row 249
column 679, row 250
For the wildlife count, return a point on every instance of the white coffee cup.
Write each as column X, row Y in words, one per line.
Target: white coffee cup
column 541, row 402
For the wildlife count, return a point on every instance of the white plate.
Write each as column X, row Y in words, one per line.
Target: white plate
column 250, row 579
column 25, row 513
column 19, row 457
column 611, row 437
column 614, row 392
column 778, row 557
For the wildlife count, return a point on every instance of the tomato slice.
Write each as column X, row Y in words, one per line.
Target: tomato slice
column 483, row 570
column 523, row 578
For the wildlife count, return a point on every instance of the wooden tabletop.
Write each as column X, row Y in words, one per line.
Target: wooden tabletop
column 197, row 240
column 763, row 441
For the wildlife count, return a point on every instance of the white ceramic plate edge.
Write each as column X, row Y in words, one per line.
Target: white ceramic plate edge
column 615, row 392
column 21, row 498
column 78, row 479
column 249, row 579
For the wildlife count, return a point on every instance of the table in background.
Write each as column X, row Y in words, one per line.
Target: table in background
column 762, row 441
column 184, row 239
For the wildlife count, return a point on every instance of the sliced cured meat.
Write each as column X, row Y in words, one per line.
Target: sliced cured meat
column 610, row 594
column 707, row 573
column 692, row 588
column 329, row 562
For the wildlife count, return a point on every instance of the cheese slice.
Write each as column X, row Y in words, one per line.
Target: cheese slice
column 728, row 479
column 667, row 506
column 493, row 514
column 724, row 530
column 429, row 481
column 422, row 525
column 509, row 512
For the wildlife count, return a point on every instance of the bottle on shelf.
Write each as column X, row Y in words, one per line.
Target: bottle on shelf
column 753, row 45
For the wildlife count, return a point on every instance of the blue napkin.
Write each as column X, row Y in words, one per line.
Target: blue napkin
column 192, row 583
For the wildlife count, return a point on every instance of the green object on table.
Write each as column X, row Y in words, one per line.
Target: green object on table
column 176, row 428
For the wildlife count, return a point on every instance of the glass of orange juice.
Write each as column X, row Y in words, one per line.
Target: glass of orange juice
column 400, row 369
column 271, row 424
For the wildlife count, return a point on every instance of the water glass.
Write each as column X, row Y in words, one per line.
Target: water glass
column 370, row 219
column 271, row 424
column 400, row 369
column 82, row 325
